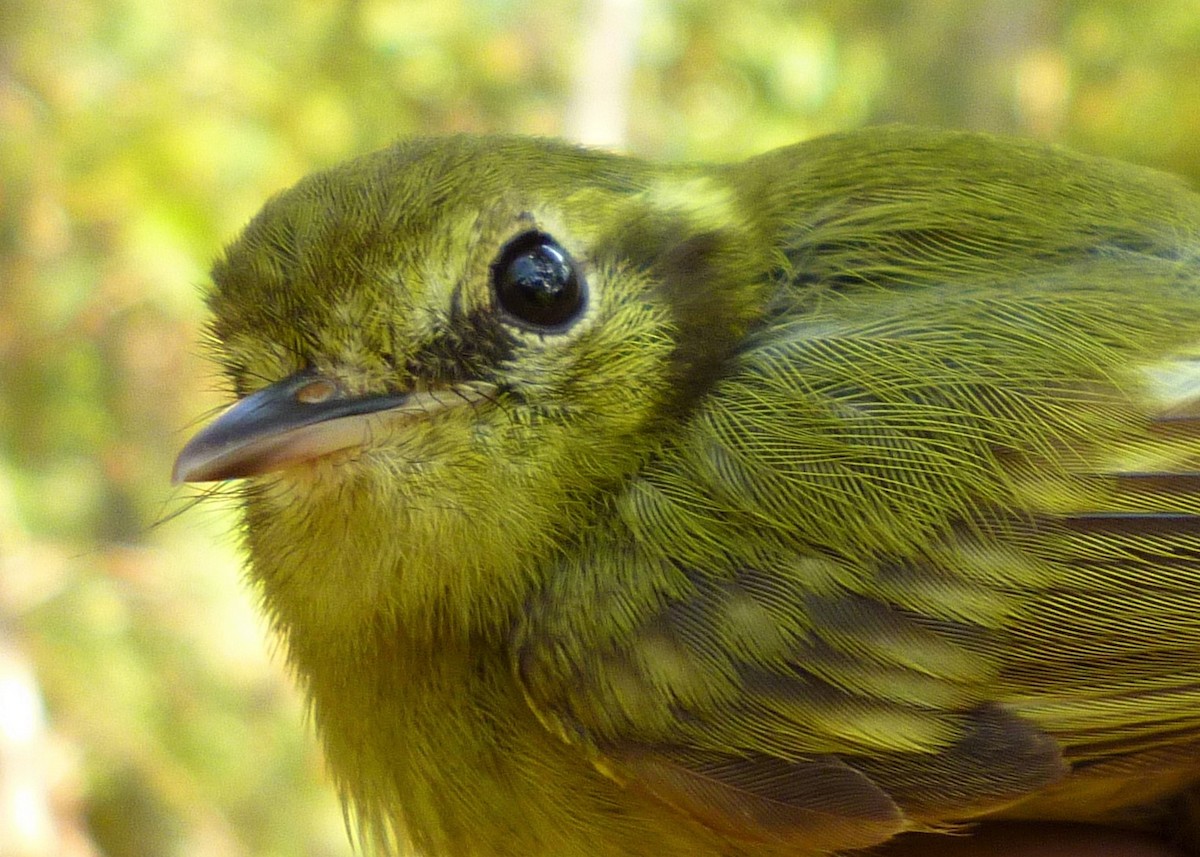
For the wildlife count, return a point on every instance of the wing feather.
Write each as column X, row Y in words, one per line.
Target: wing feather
column 926, row 548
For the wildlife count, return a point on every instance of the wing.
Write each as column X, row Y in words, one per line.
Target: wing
column 926, row 549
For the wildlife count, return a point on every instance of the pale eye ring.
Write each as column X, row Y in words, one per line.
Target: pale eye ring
column 537, row 282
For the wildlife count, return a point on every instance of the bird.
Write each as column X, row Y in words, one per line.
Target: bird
column 780, row 507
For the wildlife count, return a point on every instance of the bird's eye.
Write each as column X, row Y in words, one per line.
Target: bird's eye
column 536, row 281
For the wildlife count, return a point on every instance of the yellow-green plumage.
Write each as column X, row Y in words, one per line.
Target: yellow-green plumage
column 857, row 493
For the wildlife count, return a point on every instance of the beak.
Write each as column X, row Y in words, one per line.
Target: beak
column 295, row 420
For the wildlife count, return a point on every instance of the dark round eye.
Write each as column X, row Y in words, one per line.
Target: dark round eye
column 536, row 282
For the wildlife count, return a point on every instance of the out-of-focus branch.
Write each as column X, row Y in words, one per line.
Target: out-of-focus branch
column 32, row 822
column 598, row 112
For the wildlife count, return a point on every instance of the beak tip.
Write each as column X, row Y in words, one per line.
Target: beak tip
column 181, row 472
column 193, row 464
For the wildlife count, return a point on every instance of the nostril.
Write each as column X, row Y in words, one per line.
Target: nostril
column 315, row 392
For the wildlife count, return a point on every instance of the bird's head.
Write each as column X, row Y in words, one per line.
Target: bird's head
column 443, row 352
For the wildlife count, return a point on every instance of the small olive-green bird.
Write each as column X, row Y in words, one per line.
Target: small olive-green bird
column 777, row 508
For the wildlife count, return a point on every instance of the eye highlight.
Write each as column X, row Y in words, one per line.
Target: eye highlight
column 537, row 282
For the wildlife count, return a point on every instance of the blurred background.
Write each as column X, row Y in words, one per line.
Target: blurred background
column 143, row 708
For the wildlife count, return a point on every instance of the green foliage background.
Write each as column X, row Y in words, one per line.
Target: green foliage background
column 142, row 711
